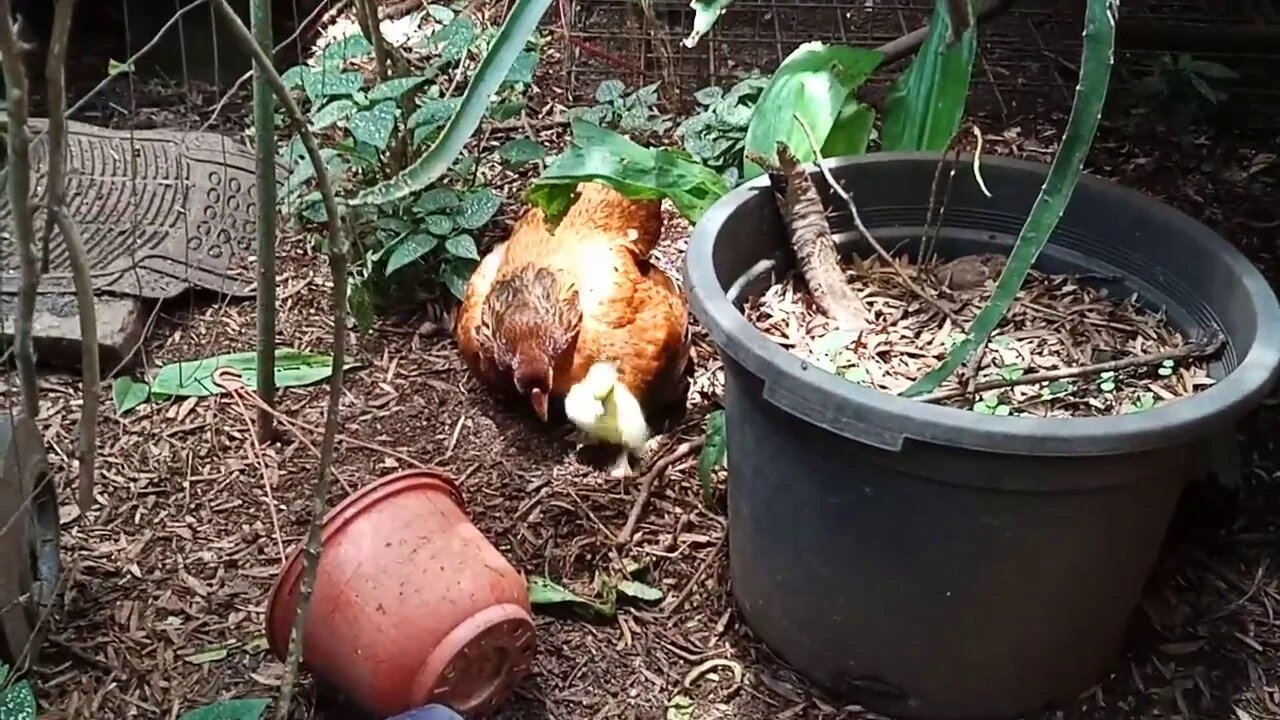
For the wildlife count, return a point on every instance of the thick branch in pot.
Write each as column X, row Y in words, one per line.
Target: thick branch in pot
column 813, row 243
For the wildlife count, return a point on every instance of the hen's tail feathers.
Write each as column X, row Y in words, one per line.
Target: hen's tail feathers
column 601, row 209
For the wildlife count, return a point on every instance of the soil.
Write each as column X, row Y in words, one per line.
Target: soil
column 168, row 574
column 1057, row 328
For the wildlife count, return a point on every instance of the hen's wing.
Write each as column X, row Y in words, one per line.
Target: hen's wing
column 466, row 329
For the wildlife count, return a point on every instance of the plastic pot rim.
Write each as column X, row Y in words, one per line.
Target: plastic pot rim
column 890, row 420
column 334, row 521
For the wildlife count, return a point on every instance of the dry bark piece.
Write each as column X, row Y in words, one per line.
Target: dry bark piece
column 813, row 243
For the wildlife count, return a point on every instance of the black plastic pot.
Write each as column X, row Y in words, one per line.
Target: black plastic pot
column 931, row 562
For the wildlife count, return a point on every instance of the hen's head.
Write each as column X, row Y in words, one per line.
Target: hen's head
column 529, row 320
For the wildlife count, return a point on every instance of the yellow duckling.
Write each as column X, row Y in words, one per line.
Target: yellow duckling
column 606, row 412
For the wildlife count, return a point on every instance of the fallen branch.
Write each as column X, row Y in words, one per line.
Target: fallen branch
column 1196, row 349
column 838, row 189
column 813, row 244
column 647, row 481
column 337, row 251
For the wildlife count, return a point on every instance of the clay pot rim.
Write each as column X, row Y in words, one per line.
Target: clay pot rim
column 338, row 517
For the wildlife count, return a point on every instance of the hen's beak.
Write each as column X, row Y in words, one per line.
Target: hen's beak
column 539, row 401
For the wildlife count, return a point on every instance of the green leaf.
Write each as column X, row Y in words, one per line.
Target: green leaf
column 713, row 453
column 194, row 378
column 639, row 591
column 507, row 110
column 433, row 113
column 705, row 14
column 437, row 199
column 814, row 82
column 128, row 393
column 1212, row 70
column 925, row 105
column 462, row 246
column 851, row 131
column 344, row 49
column 522, row 69
column 410, row 249
column 450, row 43
column 248, row 709
column 1095, row 75
column 292, row 78
column 360, row 305
column 374, row 126
column 681, row 707
column 17, row 701
column 457, row 274
column 610, row 90
column 333, row 112
column 392, row 89
column 438, row 224
column 441, row 14
column 115, row 67
column 543, row 592
column 320, row 83
column 597, row 154
column 510, row 42
column 521, row 151
column 476, row 208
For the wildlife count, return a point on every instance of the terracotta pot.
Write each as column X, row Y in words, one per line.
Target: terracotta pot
column 412, row 605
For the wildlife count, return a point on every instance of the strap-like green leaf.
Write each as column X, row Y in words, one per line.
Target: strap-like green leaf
column 1095, row 75
column 510, row 42
column 926, row 103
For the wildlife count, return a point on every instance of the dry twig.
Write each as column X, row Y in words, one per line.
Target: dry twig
column 338, row 267
column 647, row 481
column 1199, row 348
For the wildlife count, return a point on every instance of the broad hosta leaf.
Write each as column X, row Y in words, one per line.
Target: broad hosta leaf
column 392, row 89
column 438, row 224
column 521, row 151
column 851, row 131
column 438, row 199
column 1096, row 56
column 597, row 154
column 334, row 112
column 194, row 378
column 926, row 103
column 128, row 393
column 249, row 709
column 321, row 83
column 476, row 208
column 375, row 125
column 409, row 249
column 456, row 274
column 610, row 90
column 344, row 49
column 814, row 82
column 493, row 69
column 705, row 14
column 462, row 246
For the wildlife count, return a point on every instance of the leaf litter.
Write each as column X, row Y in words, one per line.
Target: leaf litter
column 1057, row 323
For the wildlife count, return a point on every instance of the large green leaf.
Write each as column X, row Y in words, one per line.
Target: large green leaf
column 194, row 378
column 17, row 701
column 375, row 125
column 408, row 250
column 851, row 131
column 638, row 172
column 493, row 69
column 128, row 393
column 1091, row 93
column 926, row 103
column 248, row 709
column 814, row 83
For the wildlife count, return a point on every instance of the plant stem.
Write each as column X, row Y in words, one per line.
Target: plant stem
column 371, row 27
column 55, row 209
column 264, row 138
column 1095, row 74
column 337, row 251
column 24, row 234
column 1199, row 348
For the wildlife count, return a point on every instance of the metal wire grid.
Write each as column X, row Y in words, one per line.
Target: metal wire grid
column 1026, row 65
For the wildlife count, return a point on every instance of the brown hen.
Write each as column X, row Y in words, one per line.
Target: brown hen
column 544, row 306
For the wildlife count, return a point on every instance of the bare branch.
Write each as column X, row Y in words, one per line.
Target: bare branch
column 24, row 234
column 338, row 267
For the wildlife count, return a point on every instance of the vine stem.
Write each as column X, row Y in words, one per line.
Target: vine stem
column 24, row 234
column 337, row 251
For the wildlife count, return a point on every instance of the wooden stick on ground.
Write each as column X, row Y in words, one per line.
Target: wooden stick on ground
column 647, row 481
column 1198, row 348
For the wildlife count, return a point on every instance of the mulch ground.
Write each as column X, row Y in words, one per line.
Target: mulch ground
column 168, row 575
